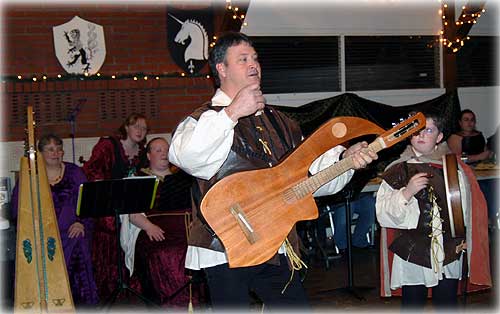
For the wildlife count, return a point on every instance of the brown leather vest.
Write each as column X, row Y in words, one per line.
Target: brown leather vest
column 280, row 133
column 414, row 245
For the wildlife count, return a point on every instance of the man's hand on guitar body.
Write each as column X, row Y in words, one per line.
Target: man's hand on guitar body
column 248, row 101
column 361, row 156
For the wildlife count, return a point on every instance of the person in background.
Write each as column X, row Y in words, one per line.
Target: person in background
column 360, row 203
column 472, row 146
column 237, row 131
column 468, row 141
column 65, row 179
column 364, row 206
column 492, row 143
column 118, row 156
column 490, row 186
column 158, row 238
column 411, row 204
column 113, row 157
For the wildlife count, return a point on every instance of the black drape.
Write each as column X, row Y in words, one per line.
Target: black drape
column 311, row 115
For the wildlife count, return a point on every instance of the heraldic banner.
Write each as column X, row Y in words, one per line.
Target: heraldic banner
column 188, row 37
column 80, row 46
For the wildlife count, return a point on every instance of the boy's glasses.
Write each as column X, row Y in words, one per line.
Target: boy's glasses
column 426, row 131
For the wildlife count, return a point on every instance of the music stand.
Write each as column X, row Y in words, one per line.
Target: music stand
column 112, row 198
column 348, row 193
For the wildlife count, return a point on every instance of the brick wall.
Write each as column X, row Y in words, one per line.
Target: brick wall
column 135, row 42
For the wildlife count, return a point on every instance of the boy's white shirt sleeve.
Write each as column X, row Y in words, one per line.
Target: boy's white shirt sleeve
column 201, row 146
column 392, row 209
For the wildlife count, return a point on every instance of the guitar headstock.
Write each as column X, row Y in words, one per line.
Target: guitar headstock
column 403, row 130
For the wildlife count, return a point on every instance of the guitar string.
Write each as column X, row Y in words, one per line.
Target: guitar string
column 295, row 261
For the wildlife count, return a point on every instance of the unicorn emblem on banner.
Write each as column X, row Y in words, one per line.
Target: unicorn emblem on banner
column 198, row 47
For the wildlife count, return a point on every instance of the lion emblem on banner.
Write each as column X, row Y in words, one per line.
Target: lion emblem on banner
column 80, row 46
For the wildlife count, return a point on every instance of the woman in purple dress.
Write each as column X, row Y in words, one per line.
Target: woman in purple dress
column 65, row 179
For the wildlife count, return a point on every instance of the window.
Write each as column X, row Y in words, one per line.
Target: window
column 298, row 64
column 476, row 62
column 391, row 62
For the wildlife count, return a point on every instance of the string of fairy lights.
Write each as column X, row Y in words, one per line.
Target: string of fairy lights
column 234, row 11
column 467, row 18
column 237, row 15
column 99, row 76
column 469, row 15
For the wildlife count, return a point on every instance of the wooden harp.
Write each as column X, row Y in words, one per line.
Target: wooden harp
column 453, row 197
column 41, row 282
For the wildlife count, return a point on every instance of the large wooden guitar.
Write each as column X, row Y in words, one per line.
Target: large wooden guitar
column 252, row 212
column 42, row 284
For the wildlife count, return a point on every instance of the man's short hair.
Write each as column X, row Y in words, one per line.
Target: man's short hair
column 218, row 52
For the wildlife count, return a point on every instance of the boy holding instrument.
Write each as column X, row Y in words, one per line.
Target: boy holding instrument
column 237, row 131
column 417, row 249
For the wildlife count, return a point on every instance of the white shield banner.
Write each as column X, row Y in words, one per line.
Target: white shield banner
column 80, row 46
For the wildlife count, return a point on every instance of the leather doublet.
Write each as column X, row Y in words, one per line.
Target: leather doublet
column 247, row 153
column 413, row 245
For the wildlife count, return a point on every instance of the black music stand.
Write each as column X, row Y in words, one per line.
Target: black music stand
column 111, row 198
column 355, row 291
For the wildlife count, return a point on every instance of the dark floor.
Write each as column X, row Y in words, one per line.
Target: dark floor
column 327, row 287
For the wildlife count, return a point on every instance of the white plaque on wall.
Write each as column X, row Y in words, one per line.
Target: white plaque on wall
column 80, row 46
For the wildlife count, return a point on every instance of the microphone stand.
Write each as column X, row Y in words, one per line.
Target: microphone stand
column 72, row 120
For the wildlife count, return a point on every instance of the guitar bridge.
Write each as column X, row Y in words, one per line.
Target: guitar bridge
column 244, row 224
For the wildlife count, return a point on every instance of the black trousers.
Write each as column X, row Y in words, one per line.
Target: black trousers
column 230, row 288
column 444, row 296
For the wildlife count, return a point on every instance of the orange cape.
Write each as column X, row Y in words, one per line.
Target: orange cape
column 480, row 275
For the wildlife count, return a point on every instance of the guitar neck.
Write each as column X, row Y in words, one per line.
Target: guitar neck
column 311, row 184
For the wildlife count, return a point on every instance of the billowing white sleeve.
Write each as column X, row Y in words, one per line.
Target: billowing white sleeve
column 327, row 159
column 201, row 147
column 393, row 211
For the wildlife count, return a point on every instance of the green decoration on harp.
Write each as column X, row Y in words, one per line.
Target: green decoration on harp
column 51, row 248
column 27, row 250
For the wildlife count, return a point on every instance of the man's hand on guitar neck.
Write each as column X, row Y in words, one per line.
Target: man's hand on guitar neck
column 361, row 156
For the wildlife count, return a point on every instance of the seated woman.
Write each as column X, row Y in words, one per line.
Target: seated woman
column 65, row 179
column 161, row 234
column 469, row 141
